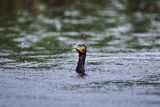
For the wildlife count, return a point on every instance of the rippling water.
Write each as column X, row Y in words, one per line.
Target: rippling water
column 123, row 58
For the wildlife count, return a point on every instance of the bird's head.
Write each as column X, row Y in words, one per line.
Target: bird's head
column 81, row 48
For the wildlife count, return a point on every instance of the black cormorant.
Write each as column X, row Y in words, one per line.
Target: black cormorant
column 81, row 49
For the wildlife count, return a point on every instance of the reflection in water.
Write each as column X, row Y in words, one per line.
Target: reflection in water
column 122, row 63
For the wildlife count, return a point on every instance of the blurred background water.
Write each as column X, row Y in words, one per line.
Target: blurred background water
column 123, row 40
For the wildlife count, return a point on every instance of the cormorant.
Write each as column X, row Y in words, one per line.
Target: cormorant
column 81, row 49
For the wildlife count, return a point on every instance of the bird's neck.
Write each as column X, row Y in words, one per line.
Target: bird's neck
column 81, row 62
column 82, row 58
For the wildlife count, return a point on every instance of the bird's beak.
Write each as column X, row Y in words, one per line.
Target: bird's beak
column 75, row 47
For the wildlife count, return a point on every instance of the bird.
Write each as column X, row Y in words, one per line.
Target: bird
column 81, row 49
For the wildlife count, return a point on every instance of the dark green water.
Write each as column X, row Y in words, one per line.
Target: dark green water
column 37, row 63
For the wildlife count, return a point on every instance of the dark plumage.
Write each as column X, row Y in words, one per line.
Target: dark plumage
column 81, row 49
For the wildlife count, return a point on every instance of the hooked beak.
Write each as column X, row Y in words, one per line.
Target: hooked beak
column 75, row 47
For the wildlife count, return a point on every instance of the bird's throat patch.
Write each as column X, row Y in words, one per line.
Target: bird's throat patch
column 81, row 49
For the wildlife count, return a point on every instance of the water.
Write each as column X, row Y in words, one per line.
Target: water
column 37, row 63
